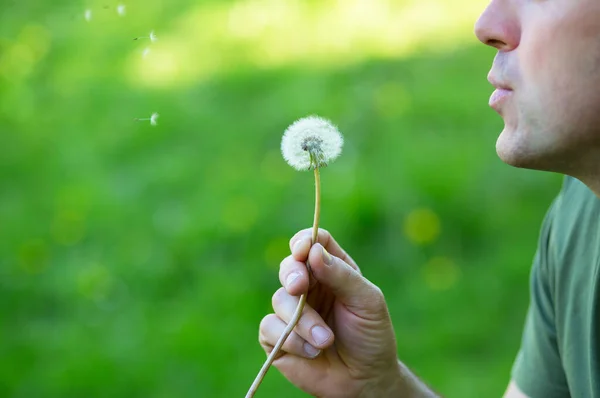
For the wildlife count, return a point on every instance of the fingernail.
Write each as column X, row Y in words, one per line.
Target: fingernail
column 291, row 278
column 320, row 334
column 327, row 259
column 310, row 350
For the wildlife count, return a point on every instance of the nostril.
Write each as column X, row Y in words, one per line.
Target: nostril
column 495, row 43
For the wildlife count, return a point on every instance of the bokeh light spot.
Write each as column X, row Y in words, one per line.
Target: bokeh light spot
column 422, row 226
column 441, row 273
column 19, row 59
column 18, row 62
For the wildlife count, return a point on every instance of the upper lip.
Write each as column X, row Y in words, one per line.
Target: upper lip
column 498, row 84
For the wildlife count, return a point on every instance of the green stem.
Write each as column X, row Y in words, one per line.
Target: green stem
column 294, row 321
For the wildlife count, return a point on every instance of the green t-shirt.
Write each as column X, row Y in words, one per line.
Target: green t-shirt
column 560, row 348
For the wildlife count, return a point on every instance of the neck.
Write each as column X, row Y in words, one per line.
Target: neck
column 585, row 168
column 592, row 182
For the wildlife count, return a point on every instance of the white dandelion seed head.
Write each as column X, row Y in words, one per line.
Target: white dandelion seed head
column 121, row 9
column 311, row 142
column 88, row 15
column 153, row 36
column 153, row 118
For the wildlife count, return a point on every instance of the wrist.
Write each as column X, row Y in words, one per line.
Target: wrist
column 399, row 382
column 411, row 386
column 392, row 384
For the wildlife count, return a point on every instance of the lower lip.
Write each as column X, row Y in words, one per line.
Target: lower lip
column 499, row 96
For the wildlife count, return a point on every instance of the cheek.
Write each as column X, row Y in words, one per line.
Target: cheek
column 559, row 60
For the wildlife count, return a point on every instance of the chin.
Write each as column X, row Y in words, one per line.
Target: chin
column 513, row 159
column 513, row 149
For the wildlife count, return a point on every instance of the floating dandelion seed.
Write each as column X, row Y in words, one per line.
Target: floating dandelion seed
column 121, row 10
column 311, row 142
column 308, row 143
column 145, row 52
column 88, row 15
column 152, row 119
column 152, row 37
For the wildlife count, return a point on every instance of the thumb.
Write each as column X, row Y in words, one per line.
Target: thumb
column 355, row 291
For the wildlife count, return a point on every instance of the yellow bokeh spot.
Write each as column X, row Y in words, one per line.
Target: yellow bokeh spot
column 18, row 62
column 37, row 38
column 21, row 57
column 276, row 250
column 441, row 273
column 422, row 226
column 33, row 256
column 239, row 214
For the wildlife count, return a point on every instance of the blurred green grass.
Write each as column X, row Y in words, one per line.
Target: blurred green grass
column 138, row 261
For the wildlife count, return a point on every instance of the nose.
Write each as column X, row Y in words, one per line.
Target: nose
column 499, row 26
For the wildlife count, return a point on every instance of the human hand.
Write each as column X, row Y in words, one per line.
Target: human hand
column 344, row 343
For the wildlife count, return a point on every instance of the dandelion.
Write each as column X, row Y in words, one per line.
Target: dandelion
column 152, row 119
column 88, row 15
column 152, row 37
column 309, row 143
column 121, row 10
column 145, row 52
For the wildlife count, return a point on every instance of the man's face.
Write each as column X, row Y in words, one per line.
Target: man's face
column 548, row 63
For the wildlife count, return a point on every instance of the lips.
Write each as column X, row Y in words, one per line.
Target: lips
column 499, row 97
column 502, row 94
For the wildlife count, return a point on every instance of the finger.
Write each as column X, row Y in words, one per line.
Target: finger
column 300, row 251
column 293, row 275
column 346, row 283
column 311, row 327
column 271, row 329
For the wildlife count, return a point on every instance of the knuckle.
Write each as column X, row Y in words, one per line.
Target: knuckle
column 262, row 340
column 376, row 290
column 324, row 237
column 325, row 234
column 377, row 296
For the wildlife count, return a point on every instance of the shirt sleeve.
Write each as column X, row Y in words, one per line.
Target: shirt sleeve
column 538, row 370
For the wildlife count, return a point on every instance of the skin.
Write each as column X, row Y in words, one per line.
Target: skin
column 548, row 60
column 549, row 54
column 357, row 355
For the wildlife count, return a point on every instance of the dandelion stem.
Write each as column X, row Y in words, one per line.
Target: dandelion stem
column 317, row 205
column 302, row 301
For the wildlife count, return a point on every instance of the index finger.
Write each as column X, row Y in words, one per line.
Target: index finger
column 326, row 240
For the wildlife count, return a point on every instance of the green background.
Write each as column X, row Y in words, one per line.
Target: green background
column 138, row 260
